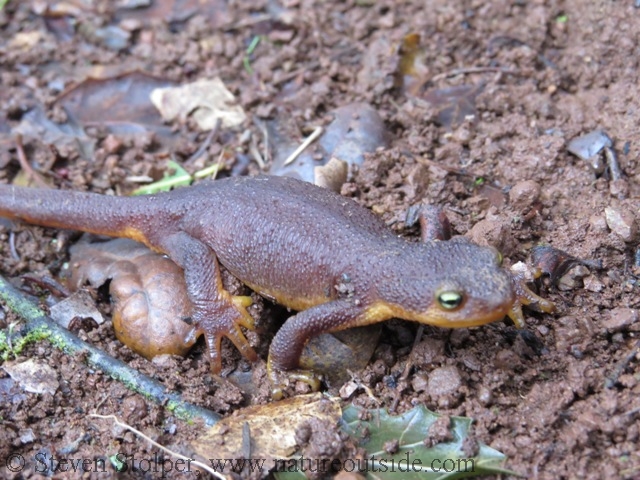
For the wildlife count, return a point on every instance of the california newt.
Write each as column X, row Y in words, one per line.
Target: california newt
column 307, row 248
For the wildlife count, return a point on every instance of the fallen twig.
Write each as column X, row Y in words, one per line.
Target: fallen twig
column 26, row 166
column 161, row 447
column 306, row 142
column 37, row 322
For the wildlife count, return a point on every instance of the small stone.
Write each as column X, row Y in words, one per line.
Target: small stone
column 524, row 194
column 134, row 408
column 620, row 318
column 429, row 351
column 485, row 396
column 506, row 360
column 543, row 330
column 112, row 144
column 617, row 338
column 27, row 436
column 622, row 222
column 444, row 381
column 593, row 284
column 348, row 389
column 492, row 233
column 619, row 188
column 573, row 278
column 597, row 224
column 419, row 382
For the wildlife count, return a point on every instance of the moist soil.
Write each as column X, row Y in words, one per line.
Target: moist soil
column 562, row 398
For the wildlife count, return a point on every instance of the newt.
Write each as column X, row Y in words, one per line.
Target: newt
column 312, row 250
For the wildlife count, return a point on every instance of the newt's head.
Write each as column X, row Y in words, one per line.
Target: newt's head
column 453, row 284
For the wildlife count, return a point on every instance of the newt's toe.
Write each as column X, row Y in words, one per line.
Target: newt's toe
column 278, row 379
column 521, row 274
column 225, row 322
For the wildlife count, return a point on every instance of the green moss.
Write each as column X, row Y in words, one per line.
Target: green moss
column 16, row 347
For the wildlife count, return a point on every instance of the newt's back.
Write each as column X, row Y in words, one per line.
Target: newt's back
column 282, row 235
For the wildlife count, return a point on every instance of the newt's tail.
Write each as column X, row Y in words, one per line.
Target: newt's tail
column 87, row 212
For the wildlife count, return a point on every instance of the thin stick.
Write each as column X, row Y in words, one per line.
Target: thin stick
column 26, row 166
column 161, row 447
column 37, row 322
column 470, row 70
column 307, row 141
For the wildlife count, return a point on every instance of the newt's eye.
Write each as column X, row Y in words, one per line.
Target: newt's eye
column 450, row 299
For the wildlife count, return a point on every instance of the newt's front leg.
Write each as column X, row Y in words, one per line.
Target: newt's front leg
column 216, row 313
column 287, row 345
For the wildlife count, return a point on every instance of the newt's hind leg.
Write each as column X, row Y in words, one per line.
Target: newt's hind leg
column 434, row 224
column 216, row 313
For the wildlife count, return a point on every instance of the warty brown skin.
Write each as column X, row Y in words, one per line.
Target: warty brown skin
column 304, row 247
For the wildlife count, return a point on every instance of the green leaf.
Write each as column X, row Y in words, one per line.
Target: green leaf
column 413, row 460
column 117, row 463
column 179, row 178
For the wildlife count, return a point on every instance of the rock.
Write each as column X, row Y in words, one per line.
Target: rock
column 524, row 194
column 620, row 318
column 489, row 232
column 444, row 381
column 573, row 278
column 420, row 382
column 593, row 284
column 622, row 222
column 485, row 396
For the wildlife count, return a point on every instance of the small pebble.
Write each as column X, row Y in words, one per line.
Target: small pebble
column 419, row 382
column 593, row 284
column 506, row 360
column 619, row 188
column 134, row 408
column 598, row 224
column 112, row 144
column 485, row 396
column 573, row 278
column 492, row 233
column 543, row 330
column 622, row 222
column 617, row 338
column 348, row 389
column 620, row 318
column 444, row 381
column 27, row 436
column 524, row 194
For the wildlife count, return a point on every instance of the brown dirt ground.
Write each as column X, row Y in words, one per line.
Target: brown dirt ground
column 564, row 406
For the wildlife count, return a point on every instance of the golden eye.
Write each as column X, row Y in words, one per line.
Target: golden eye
column 450, row 299
column 499, row 257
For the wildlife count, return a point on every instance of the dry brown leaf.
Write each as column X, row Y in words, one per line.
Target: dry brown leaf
column 208, row 101
column 272, row 429
column 33, row 376
column 78, row 305
column 121, row 104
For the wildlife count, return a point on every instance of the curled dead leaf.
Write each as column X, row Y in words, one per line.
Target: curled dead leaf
column 147, row 290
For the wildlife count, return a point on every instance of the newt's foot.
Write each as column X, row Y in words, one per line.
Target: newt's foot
column 521, row 275
column 224, row 319
column 277, row 379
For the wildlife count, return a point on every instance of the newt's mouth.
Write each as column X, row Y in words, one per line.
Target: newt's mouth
column 464, row 318
column 479, row 313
